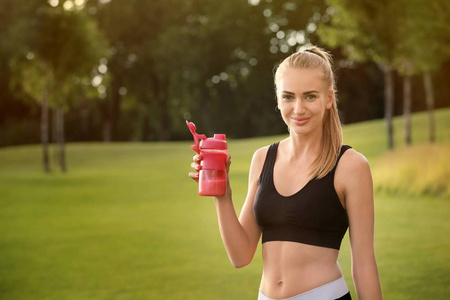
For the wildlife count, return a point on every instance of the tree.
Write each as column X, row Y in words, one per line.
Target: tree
column 366, row 30
column 429, row 44
column 33, row 77
column 64, row 46
column 202, row 59
column 423, row 45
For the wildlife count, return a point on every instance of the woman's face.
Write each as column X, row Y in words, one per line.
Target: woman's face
column 303, row 96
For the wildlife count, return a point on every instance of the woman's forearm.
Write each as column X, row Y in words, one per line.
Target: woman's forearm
column 234, row 237
column 367, row 281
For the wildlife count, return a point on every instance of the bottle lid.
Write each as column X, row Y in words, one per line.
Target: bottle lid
column 217, row 142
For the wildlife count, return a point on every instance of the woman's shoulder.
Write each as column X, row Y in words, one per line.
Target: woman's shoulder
column 259, row 157
column 352, row 162
column 352, row 172
column 261, row 153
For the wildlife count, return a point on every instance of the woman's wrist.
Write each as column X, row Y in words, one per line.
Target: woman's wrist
column 227, row 197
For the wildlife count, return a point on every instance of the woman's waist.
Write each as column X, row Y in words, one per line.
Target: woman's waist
column 287, row 283
column 331, row 289
column 293, row 268
column 308, row 275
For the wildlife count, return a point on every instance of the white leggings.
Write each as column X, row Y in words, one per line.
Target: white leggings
column 328, row 291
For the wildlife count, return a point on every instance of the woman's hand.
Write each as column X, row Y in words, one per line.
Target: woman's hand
column 195, row 165
column 227, row 164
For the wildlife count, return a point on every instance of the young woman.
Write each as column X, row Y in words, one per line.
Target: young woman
column 304, row 192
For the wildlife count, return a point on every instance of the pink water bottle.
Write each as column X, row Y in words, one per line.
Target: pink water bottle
column 213, row 178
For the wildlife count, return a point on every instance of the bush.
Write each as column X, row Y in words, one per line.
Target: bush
column 417, row 170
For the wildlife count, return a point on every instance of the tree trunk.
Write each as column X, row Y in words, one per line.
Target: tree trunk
column 60, row 137
column 429, row 96
column 164, row 118
column 407, row 104
column 44, row 132
column 106, row 124
column 160, row 89
column 114, row 112
column 389, row 103
column 145, row 128
column 54, row 126
column 106, row 131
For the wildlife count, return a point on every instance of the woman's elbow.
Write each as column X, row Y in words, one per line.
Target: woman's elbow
column 241, row 262
column 239, row 265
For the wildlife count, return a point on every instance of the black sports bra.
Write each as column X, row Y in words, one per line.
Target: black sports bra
column 314, row 215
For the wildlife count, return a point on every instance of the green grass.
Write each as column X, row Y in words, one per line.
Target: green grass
column 126, row 223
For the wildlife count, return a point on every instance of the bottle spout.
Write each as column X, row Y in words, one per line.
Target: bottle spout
column 196, row 136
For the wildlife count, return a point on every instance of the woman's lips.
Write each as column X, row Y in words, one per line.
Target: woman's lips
column 300, row 121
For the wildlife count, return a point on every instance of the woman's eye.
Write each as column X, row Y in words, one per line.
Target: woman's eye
column 287, row 97
column 311, row 97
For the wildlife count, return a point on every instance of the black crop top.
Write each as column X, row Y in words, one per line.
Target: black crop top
column 314, row 215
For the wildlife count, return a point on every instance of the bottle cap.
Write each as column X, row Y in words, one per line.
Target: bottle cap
column 217, row 142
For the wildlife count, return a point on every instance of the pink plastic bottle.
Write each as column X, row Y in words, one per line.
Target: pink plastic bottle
column 213, row 178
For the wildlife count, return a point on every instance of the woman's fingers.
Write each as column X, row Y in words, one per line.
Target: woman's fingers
column 228, row 162
column 194, row 176
column 196, row 166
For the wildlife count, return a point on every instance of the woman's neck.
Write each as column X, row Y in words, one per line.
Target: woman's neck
column 299, row 147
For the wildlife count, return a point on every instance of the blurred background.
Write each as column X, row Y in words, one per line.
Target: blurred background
column 135, row 70
column 95, row 202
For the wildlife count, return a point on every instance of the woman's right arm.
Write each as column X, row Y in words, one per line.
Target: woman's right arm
column 241, row 235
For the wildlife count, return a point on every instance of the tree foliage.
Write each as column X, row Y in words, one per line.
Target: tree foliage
column 136, row 69
column 64, row 47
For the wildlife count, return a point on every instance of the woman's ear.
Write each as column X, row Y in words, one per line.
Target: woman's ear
column 330, row 99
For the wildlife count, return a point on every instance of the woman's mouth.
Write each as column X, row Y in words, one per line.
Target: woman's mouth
column 300, row 121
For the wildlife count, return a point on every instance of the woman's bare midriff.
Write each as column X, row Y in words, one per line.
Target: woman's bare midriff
column 293, row 268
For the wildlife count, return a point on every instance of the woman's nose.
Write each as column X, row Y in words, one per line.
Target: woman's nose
column 299, row 107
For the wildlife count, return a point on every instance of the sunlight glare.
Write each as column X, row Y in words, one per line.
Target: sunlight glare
column 292, row 41
column 267, row 12
column 97, row 80
column 123, row 91
column 30, row 55
column 68, row 5
column 281, row 34
column 53, row 3
column 284, row 48
column 223, row 76
column 215, row 79
column 311, row 27
column 102, row 91
column 102, row 68
column 274, row 27
column 300, row 37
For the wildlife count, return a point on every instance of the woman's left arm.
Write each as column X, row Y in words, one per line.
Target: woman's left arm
column 359, row 202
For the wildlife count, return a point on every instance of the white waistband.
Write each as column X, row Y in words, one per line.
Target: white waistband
column 331, row 290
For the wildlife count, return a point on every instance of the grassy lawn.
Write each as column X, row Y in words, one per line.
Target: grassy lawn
column 126, row 223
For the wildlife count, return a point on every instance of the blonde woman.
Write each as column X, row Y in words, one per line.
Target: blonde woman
column 303, row 194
